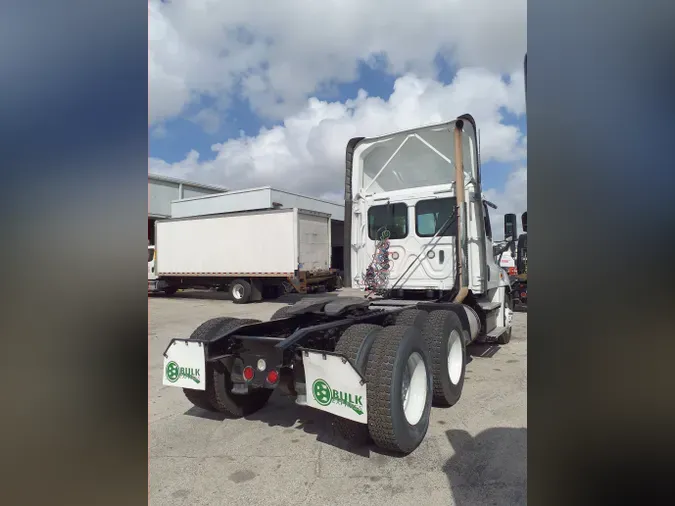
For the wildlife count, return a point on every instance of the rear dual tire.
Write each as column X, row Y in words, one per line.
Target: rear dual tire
column 281, row 313
column 396, row 364
column 412, row 317
column 443, row 333
column 218, row 396
column 399, row 389
column 355, row 344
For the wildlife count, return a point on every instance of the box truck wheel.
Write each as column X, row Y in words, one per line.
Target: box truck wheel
column 443, row 335
column 399, row 389
column 355, row 344
column 207, row 331
column 219, row 384
column 240, row 290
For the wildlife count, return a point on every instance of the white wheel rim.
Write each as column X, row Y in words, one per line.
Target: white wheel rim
column 238, row 291
column 455, row 357
column 414, row 388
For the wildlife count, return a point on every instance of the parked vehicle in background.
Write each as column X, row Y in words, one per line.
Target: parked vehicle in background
column 519, row 283
column 515, row 257
column 250, row 254
column 506, row 260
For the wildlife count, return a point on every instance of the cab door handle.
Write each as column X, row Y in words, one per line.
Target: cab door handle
column 441, row 256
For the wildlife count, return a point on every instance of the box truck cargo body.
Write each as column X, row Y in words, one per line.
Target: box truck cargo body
column 251, row 254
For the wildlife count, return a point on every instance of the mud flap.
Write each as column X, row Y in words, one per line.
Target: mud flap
column 334, row 386
column 184, row 365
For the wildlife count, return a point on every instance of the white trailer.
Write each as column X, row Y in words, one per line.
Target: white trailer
column 251, row 254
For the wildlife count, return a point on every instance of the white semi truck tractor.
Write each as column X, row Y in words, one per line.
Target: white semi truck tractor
column 421, row 250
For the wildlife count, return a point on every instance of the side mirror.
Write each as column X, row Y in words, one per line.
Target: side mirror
column 511, row 229
column 523, row 218
column 510, row 225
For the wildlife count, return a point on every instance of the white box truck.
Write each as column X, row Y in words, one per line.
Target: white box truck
column 250, row 254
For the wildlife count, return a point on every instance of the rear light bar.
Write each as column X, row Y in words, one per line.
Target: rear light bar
column 272, row 375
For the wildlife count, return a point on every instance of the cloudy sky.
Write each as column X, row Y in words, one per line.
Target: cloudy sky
column 259, row 93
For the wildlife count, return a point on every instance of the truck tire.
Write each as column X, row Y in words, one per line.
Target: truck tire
column 206, row 331
column 398, row 413
column 330, row 285
column 219, row 388
column 412, row 318
column 171, row 290
column 281, row 313
column 355, row 344
column 444, row 338
column 240, row 290
column 505, row 338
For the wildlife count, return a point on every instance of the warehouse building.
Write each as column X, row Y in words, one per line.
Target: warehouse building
column 173, row 198
column 163, row 190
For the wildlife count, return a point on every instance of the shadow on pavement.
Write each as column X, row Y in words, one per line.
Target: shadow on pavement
column 194, row 295
column 489, row 469
column 482, row 350
column 281, row 411
column 288, row 298
column 292, row 298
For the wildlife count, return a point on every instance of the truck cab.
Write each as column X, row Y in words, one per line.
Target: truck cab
column 152, row 275
column 403, row 190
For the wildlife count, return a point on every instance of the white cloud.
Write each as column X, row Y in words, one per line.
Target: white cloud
column 276, row 54
column 306, row 153
column 208, row 119
column 159, row 132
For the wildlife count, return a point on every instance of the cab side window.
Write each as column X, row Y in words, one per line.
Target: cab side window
column 432, row 217
column 393, row 217
column 488, row 227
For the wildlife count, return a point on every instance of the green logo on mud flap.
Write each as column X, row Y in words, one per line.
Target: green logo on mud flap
column 325, row 395
column 174, row 373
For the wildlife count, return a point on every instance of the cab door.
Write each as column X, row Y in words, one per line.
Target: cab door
column 421, row 235
column 151, row 263
column 430, row 245
column 493, row 270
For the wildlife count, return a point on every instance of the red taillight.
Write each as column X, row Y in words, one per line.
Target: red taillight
column 272, row 376
column 248, row 373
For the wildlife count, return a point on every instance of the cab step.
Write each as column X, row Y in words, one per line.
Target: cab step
column 488, row 306
column 495, row 333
